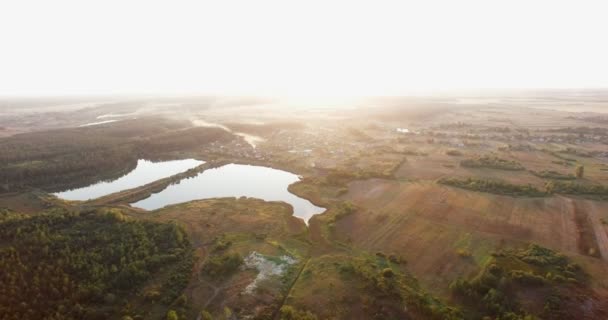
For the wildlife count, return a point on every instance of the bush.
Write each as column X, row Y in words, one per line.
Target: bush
column 222, row 265
column 454, row 153
column 388, row 273
column 526, row 277
column 205, row 315
column 342, row 210
column 172, row 315
column 291, row 313
column 464, row 253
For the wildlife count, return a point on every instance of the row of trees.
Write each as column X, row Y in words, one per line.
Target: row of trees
column 492, row 162
column 493, row 186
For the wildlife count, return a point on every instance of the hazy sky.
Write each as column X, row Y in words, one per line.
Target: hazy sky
column 299, row 48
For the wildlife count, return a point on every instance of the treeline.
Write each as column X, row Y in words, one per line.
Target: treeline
column 550, row 174
column 493, row 293
column 75, row 157
column 493, row 186
column 63, row 265
column 491, row 162
column 594, row 190
column 500, row 187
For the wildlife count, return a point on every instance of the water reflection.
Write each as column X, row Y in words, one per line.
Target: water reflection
column 145, row 172
column 234, row 180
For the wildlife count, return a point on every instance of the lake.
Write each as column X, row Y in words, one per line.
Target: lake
column 234, row 180
column 145, row 172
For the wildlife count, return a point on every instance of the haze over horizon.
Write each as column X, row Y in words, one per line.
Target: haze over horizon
column 283, row 48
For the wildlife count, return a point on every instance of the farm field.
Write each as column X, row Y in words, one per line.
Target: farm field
column 473, row 212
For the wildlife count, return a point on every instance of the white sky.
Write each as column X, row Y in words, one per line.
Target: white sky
column 299, row 48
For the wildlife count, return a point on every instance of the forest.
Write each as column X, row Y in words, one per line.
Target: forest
column 69, row 265
column 74, row 157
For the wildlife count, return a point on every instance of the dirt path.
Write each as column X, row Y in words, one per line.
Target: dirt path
column 587, row 240
column 277, row 312
column 599, row 230
column 216, row 291
column 199, row 278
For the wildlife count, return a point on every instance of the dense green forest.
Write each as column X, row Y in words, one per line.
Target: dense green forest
column 75, row 157
column 66, row 265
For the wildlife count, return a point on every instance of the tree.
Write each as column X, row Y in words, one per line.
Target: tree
column 580, row 172
column 206, row 315
column 388, row 273
column 172, row 315
column 290, row 313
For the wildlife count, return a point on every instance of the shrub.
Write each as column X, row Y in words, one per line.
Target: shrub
column 222, row 265
column 172, row 315
column 463, row 253
column 388, row 273
column 221, row 245
column 454, row 153
column 291, row 313
column 205, row 315
column 526, row 277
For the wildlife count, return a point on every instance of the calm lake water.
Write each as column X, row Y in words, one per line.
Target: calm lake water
column 145, row 172
column 234, row 180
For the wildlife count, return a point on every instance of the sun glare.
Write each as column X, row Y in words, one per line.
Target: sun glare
column 337, row 48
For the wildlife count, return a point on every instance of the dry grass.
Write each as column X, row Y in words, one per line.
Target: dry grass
column 249, row 225
column 426, row 223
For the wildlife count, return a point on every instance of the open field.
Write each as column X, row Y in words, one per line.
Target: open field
column 395, row 240
column 413, row 219
column 249, row 225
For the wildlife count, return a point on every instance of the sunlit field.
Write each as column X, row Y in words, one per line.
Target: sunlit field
column 274, row 160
